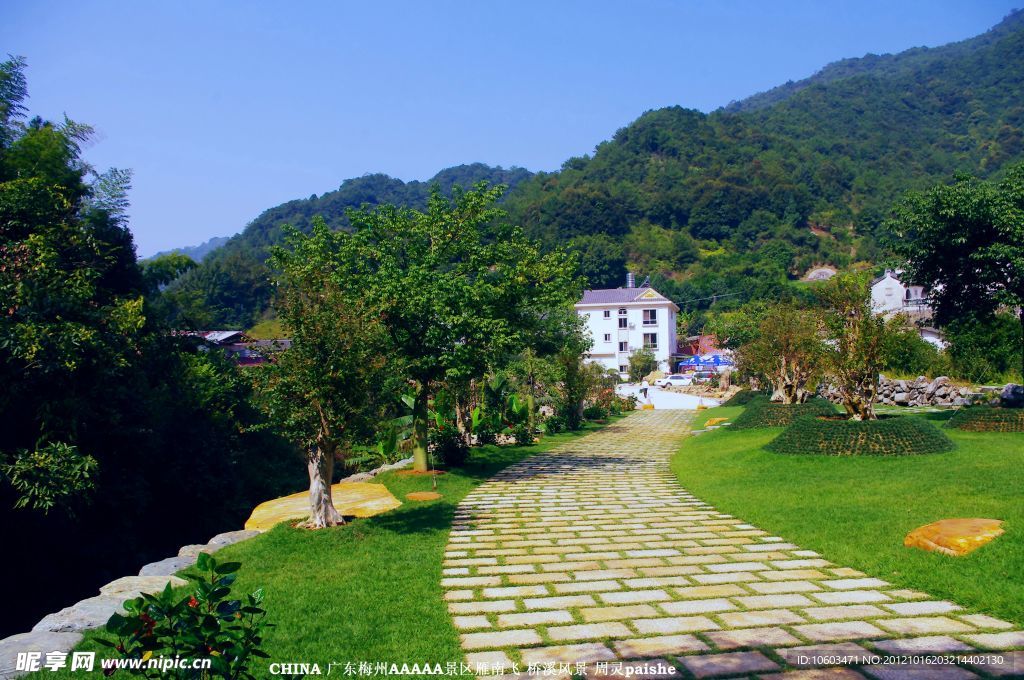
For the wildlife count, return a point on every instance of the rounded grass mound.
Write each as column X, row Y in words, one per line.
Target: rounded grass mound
column 743, row 397
column 763, row 413
column 896, row 436
column 988, row 419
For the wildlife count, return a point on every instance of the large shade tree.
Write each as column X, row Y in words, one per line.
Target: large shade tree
column 856, row 341
column 320, row 392
column 454, row 286
column 965, row 243
column 786, row 349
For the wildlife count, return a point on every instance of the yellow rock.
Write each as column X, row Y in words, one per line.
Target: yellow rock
column 954, row 537
column 715, row 421
column 423, row 496
column 352, row 499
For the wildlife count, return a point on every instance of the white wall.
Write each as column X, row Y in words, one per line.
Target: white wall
column 607, row 352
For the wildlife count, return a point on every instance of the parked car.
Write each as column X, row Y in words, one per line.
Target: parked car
column 702, row 377
column 677, row 379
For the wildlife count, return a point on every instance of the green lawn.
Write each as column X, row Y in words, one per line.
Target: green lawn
column 856, row 511
column 370, row 590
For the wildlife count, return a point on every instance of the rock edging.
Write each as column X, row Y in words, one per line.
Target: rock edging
column 61, row 631
column 938, row 392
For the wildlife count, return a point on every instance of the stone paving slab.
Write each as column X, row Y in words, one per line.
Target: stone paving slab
column 593, row 553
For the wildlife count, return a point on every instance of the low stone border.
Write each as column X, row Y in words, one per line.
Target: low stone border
column 61, row 631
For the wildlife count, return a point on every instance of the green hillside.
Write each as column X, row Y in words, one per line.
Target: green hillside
column 738, row 202
column 231, row 288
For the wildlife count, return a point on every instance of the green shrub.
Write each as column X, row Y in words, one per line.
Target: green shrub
column 523, row 434
column 763, row 413
column 207, row 624
column 554, row 424
column 895, row 436
column 595, row 413
column 449, row 446
column 988, row 419
column 743, row 397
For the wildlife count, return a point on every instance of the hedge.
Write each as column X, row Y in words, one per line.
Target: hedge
column 743, row 397
column 761, row 412
column 988, row 419
column 895, row 436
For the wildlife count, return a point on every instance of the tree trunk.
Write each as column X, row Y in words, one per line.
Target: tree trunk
column 322, row 513
column 419, row 427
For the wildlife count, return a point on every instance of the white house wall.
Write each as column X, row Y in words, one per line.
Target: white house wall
column 606, row 352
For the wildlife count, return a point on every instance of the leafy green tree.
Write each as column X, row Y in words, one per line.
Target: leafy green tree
column 160, row 271
column 454, row 287
column 73, row 311
column 855, row 341
column 320, row 392
column 984, row 348
column 965, row 243
column 641, row 363
column 602, row 260
column 787, row 350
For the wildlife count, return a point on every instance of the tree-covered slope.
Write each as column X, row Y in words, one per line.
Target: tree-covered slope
column 735, row 203
column 916, row 60
column 232, row 289
column 738, row 200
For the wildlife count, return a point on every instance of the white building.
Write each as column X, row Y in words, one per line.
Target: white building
column 889, row 295
column 623, row 320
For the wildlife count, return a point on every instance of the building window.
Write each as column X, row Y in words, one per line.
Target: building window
column 607, row 313
column 650, row 340
column 622, row 311
column 607, row 337
column 623, row 323
column 623, row 368
column 623, row 346
column 650, row 317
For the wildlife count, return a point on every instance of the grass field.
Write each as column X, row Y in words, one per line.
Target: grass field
column 855, row 511
column 370, row 590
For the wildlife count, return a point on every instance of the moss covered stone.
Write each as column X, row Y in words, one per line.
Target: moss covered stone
column 761, row 412
column 896, row 436
column 988, row 419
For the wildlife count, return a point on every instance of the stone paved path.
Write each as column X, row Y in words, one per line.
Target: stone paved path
column 593, row 553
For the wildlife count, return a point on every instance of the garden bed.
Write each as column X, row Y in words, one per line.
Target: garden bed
column 837, row 436
column 763, row 413
column 743, row 397
column 988, row 419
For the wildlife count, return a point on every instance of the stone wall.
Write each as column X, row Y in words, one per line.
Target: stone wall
column 938, row 392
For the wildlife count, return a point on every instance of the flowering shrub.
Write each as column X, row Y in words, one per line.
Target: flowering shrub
column 207, row 624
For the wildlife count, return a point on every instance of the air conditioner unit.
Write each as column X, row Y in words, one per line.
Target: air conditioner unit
column 632, row 326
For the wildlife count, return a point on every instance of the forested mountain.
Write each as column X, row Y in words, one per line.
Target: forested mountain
column 232, row 289
column 737, row 201
column 733, row 203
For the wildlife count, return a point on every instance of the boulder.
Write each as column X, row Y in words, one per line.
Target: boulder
column 128, row 587
column 38, row 641
column 232, row 537
column 901, row 398
column 193, row 549
column 168, row 566
column 954, row 537
column 90, row 613
column 1012, row 396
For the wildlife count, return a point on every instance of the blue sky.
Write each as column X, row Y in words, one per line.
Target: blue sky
column 224, row 109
